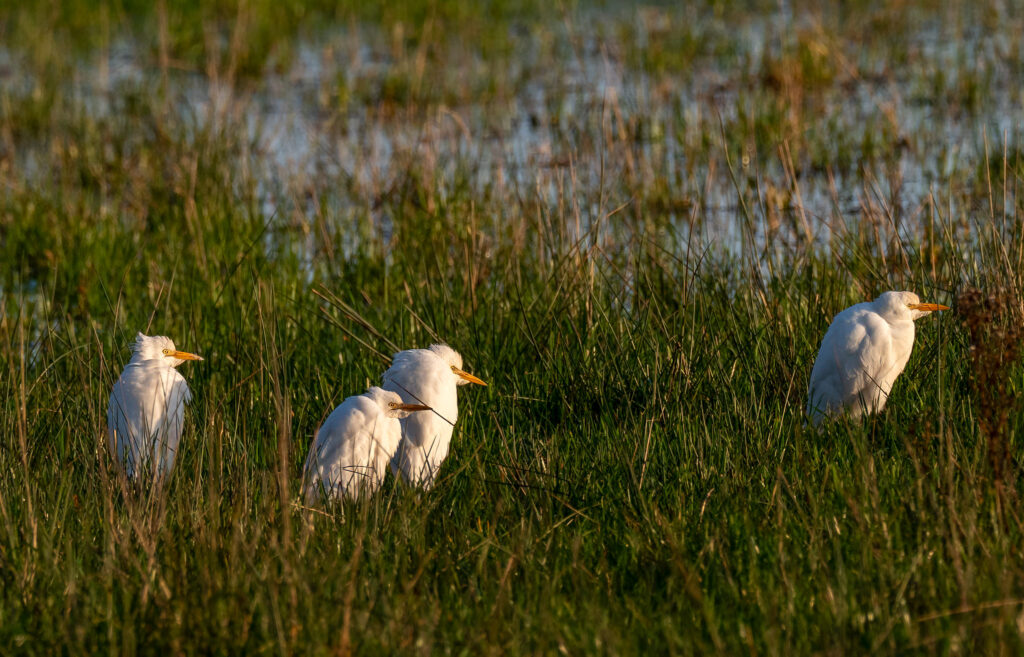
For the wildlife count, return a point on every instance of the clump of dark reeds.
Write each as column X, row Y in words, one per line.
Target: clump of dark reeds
column 995, row 338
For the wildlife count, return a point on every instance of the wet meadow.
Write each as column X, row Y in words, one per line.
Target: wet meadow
column 635, row 222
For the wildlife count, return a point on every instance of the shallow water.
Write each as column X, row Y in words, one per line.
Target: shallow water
column 313, row 144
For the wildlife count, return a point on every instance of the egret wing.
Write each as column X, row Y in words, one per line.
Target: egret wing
column 347, row 455
column 145, row 416
column 854, row 357
column 172, row 422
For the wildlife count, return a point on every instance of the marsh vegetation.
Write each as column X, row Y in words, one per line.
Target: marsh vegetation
column 634, row 223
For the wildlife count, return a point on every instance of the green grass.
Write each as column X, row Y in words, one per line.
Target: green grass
column 645, row 293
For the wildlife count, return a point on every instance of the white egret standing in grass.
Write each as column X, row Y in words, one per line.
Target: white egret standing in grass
column 351, row 450
column 147, row 407
column 864, row 350
column 426, row 376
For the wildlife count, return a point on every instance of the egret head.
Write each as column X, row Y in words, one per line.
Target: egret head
column 454, row 361
column 896, row 306
column 161, row 349
column 392, row 404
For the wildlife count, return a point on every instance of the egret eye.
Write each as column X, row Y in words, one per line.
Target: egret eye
column 167, row 352
column 392, row 404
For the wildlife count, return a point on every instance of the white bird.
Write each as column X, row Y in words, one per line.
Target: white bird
column 351, row 450
column 426, row 376
column 147, row 408
column 864, row 350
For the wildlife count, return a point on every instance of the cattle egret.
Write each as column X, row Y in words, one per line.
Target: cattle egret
column 426, row 376
column 864, row 350
column 351, row 450
column 147, row 408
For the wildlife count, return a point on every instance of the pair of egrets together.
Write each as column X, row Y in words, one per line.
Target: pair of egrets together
column 408, row 423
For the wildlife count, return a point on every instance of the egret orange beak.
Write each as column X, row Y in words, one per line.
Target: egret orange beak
column 928, row 307
column 469, row 377
column 184, row 355
column 410, row 407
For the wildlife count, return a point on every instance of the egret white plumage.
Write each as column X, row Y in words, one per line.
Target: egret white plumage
column 426, row 376
column 351, row 450
column 147, row 407
column 864, row 350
